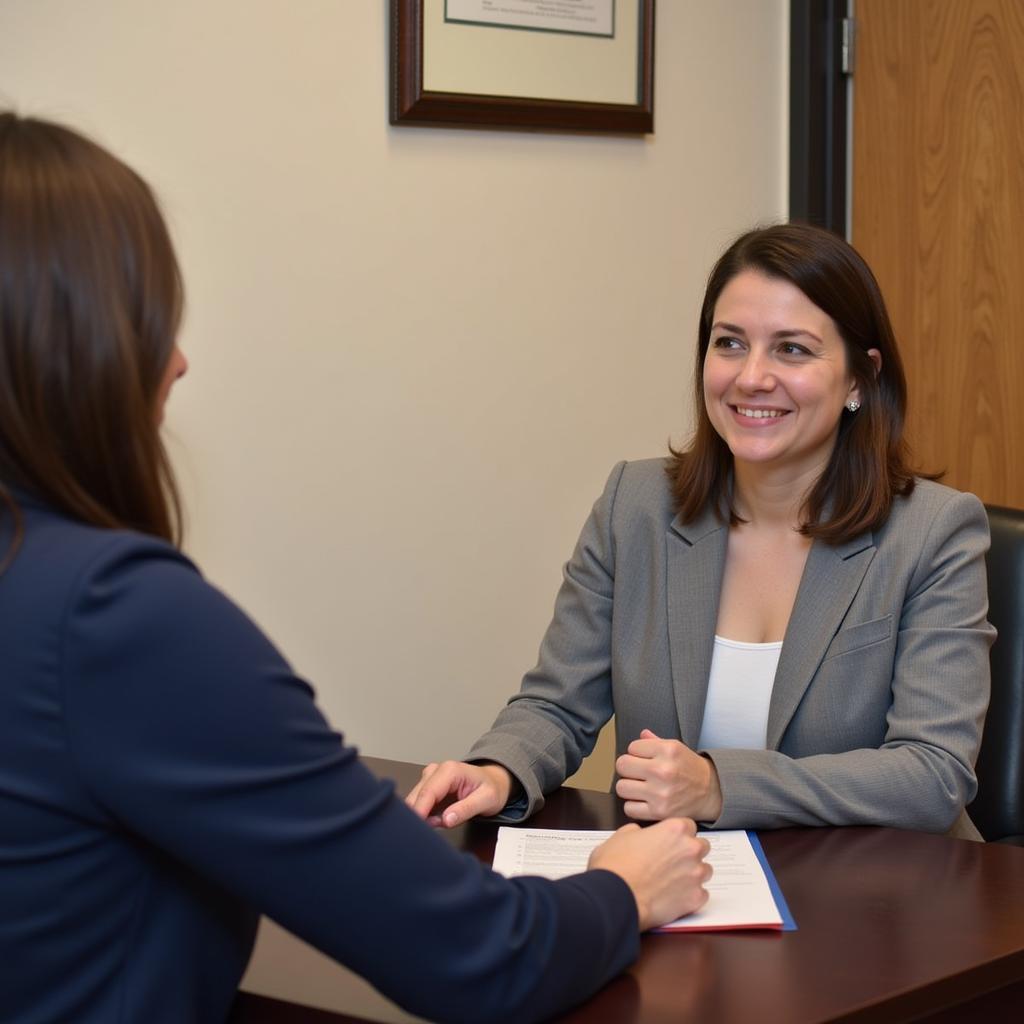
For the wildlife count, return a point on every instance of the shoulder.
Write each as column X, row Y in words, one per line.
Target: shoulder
column 642, row 486
column 137, row 591
column 932, row 505
column 59, row 558
column 55, row 540
column 932, row 529
column 104, row 591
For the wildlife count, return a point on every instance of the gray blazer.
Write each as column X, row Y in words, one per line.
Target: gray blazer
column 881, row 688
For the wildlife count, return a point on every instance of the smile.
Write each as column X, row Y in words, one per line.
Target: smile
column 759, row 414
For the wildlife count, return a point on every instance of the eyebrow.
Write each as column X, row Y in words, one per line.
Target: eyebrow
column 793, row 333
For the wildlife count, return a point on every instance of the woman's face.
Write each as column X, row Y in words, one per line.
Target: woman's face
column 177, row 366
column 775, row 375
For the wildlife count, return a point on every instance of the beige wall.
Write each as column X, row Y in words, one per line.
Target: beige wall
column 416, row 353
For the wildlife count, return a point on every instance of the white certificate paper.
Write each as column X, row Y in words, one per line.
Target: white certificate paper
column 585, row 17
column 739, row 894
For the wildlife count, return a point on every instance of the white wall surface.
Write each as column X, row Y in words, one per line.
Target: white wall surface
column 415, row 353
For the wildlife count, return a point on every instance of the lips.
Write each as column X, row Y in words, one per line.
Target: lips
column 749, row 414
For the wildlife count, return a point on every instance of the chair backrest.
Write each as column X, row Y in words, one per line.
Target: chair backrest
column 998, row 809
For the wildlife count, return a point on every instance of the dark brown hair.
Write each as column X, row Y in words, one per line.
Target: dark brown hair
column 870, row 464
column 90, row 301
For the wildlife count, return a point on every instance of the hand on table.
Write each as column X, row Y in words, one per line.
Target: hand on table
column 663, row 865
column 665, row 778
column 452, row 792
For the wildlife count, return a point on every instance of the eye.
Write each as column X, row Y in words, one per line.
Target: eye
column 793, row 348
column 726, row 343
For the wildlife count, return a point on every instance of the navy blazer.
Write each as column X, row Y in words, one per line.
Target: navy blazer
column 165, row 777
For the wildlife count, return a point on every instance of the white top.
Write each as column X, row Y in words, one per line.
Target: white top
column 739, row 691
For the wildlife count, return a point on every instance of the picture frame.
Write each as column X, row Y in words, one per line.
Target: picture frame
column 467, row 106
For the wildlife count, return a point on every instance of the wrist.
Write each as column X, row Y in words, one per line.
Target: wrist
column 644, row 916
column 502, row 780
column 644, row 910
column 711, row 809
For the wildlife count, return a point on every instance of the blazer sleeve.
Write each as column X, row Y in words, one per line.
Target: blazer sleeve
column 922, row 774
column 192, row 733
column 552, row 723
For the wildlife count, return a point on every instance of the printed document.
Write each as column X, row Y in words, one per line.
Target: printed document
column 741, row 893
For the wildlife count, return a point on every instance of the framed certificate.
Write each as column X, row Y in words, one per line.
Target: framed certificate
column 555, row 65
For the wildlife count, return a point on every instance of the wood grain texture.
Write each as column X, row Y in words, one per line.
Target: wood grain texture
column 893, row 925
column 938, row 212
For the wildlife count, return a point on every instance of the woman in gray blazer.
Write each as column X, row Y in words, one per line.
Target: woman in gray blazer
column 788, row 625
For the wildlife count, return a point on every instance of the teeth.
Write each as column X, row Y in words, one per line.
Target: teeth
column 759, row 414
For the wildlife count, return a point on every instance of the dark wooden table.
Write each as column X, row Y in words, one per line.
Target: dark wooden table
column 892, row 926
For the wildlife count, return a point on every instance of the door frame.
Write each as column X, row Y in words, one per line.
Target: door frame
column 818, row 121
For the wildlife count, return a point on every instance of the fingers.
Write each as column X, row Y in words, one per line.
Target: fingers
column 694, row 872
column 645, row 747
column 650, row 795
column 682, row 834
column 702, row 873
column 693, row 898
column 650, row 745
column 412, row 798
column 437, row 783
column 639, row 810
column 669, row 778
column 480, row 801
column 629, row 767
column 649, row 757
column 663, row 865
column 452, row 792
column 631, row 789
column 642, row 801
column 662, row 766
column 599, row 851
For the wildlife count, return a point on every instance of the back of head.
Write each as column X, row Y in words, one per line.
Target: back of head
column 90, row 300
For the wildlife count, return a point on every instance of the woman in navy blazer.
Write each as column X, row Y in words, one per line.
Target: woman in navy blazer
column 164, row 775
column 788, row 624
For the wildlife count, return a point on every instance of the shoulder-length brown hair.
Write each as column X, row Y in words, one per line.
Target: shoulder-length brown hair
column 90, row 301
column 870, row 463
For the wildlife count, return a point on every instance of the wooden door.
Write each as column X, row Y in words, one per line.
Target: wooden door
column 938, row 212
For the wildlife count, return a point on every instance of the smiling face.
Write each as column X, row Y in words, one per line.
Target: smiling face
column 775, row 375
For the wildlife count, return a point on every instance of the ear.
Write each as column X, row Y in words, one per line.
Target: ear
column 876, row 358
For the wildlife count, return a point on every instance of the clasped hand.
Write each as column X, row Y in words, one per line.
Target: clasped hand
column 664, row 779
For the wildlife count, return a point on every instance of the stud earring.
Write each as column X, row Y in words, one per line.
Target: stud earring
column 853, row 405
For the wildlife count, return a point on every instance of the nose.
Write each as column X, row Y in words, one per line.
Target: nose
column 180, row 364
column 755, row 373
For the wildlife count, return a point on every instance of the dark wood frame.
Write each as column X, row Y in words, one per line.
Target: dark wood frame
column 817, row 114
column 412, row 105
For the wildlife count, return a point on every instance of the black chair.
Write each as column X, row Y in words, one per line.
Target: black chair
column 998, row 809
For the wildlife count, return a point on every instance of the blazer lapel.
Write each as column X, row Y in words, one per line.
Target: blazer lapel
column 696, row 561
column 830, row 581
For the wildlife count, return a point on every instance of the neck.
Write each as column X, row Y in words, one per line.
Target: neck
column 772, row 497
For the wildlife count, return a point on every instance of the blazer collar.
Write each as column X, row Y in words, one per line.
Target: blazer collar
column 696, row 562
column 831, row 579
column 705, row 524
